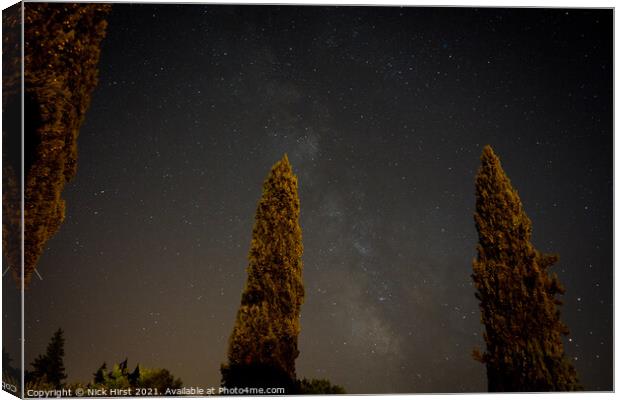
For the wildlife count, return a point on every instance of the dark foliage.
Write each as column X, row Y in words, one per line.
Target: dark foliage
column 519, row 308
column 50, row 367
column 10, row 374
column 99, row 375
column 258, row 376
column 119, row 377
column 319, row 386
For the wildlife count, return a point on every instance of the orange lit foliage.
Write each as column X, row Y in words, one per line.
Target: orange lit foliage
column 62, row 47
column 517, row 294
column 263, row 345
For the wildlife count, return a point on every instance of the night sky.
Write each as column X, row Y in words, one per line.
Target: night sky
column 383, row 113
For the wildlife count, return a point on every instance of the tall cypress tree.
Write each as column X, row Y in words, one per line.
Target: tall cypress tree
column 61, row 53
column 263, row 345
column 50, row 367
column 524, row 350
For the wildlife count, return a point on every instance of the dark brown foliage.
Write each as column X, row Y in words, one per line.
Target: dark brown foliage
column 319, row 386
column 517, row 293
column 49, row 367
column 62, row 47
column 11, row 138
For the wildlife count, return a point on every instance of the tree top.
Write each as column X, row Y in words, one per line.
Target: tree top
column 488, row 156
column 283, row 164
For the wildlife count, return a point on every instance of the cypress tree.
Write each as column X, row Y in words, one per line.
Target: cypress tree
column 517, row 293
column 61, row 53
column 50, row 367
column 263, row 345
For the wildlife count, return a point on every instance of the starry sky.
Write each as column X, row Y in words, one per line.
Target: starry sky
column 383, row 113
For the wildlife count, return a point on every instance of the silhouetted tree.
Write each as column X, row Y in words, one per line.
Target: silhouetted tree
column 134, row 377
column 160, row 379
column 99, row 375
column 61, row 52
column 119, row 378
column 319, row 386
column 116, row 378
column 523, row 331
column 123, row 367
column 263, row 345
column 50, row 367
column 10, row 374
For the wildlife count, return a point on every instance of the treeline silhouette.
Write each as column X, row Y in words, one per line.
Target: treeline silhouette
column 119, row 377
column 48, row 373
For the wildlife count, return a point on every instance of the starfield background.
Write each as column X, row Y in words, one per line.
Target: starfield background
column 383, row 113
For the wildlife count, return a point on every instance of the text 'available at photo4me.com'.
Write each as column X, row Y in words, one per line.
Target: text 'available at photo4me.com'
column 120, row 392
